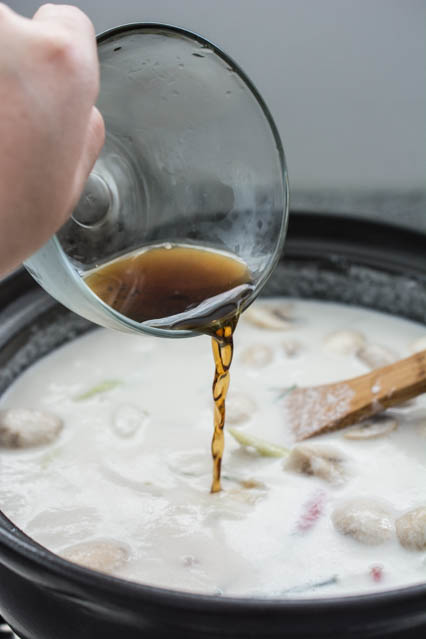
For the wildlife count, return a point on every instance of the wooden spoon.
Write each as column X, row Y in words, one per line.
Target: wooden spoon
column 320, row 409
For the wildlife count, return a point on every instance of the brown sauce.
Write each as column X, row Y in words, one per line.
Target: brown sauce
column 186, row 288
column 223, row 350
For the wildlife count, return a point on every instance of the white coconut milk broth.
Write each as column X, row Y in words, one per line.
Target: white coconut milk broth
column 132, row 465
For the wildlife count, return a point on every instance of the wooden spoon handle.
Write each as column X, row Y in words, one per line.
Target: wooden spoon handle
column 320, row 409
column 389, row 385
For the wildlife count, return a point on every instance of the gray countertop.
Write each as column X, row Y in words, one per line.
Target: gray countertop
column 402, row 208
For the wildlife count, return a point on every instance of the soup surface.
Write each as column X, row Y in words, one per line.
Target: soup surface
column 120, row 480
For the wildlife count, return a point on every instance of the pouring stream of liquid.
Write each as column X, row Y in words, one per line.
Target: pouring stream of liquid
column 223, row 349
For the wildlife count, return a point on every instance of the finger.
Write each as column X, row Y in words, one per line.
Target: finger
column 95, row 138
column 94, row 142
column 5, row 11
column 73, row 37
column 67, row 16
column 8, row 16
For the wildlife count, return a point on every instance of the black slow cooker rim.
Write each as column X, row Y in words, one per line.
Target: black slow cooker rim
column 316, row 235
column 16, row 541
column 307, row 230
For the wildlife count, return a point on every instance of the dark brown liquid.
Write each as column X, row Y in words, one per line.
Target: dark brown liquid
column 162, row 283
column 223, row 350
column 182, row 287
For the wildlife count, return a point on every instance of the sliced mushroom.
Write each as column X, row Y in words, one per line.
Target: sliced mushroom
column 251, row 484
column 325, row 462
column 24, row 428
column 124, row 468
column 69, row 522
column 345, row 342
column 371, row 428
column 245, row 496
column 239, row 408
column 257, row 355
column 189, row 464
column 376, row 356
column 367, row 520
column 128, row 420
column 232, row 504
column 411, row 529
column 248, row 491
column 291, row 347
column 275, row 317
column 103, row 555
column 418, row 345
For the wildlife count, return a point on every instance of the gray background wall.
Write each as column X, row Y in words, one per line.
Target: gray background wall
column 344, row 79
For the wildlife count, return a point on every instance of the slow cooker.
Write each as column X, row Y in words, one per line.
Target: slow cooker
column 342, row 258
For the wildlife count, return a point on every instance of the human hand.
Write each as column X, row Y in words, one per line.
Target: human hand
column 50, row 131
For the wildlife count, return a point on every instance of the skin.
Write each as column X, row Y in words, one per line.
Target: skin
column 50, row 130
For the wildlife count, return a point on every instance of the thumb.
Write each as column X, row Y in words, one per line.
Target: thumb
column 95, row 138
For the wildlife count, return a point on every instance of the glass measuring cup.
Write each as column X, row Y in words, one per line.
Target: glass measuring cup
column 192, row 156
